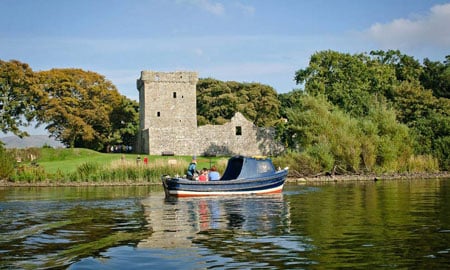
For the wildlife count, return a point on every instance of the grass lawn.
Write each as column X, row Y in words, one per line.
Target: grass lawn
column 67, row 160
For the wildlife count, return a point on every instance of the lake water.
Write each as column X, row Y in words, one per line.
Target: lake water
column 358, row 225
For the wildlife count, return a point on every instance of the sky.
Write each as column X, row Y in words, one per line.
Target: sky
column 263, row 41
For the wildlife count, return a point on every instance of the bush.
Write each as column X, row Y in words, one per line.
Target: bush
column 442, row 152
column 30, row 174
column 423, row 163
column 300, row 164
column 87, row 170
column 7, row 163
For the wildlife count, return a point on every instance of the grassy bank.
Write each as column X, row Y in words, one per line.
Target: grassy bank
column 47, row 166
column 82, row 165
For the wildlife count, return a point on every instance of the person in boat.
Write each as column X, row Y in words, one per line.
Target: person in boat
column 203, row 177
column 213, row 174
column 192, row 170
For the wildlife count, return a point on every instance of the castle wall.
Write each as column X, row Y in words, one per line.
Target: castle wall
column 168, row 122
column 168, row 111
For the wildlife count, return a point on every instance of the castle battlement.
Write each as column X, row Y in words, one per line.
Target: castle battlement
column 172, row 77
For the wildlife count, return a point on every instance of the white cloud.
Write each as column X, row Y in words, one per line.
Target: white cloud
column 246, row 9
column 208, row 5
column 406, row 33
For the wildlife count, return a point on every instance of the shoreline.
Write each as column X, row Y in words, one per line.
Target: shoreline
column 368, row 177
column 295, row 180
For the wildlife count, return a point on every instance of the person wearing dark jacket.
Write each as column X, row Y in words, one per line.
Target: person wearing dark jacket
column 192, row 170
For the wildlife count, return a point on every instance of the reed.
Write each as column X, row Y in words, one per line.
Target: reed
column 82, row 165
column 423, row 163
column 29, row 174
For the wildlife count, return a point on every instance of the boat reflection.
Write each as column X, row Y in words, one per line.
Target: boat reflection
column 179, row 223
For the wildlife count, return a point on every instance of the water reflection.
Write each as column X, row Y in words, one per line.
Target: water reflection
column 54, row 231
column 181, row 219
column 242, row 229
column 387, row 224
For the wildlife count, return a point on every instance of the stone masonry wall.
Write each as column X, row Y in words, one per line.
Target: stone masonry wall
column 168, row 122
column 239, row 136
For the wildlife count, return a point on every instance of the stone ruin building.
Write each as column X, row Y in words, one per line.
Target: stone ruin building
column 168, row 122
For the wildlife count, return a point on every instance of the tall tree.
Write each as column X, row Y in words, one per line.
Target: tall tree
column 406, row 67
column 259, row 103
column 436, row 76
column 18, row 96
column 285, row 133
column 349, row 81
column 215, row 102
column 332, row 138
column 124, row 122
column 429, row 119
column 218, row 101
column 77, row 107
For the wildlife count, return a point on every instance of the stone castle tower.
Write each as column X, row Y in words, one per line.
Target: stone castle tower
column 168, row 110
column 168, row 122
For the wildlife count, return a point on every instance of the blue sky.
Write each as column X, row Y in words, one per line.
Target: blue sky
column 247, row 41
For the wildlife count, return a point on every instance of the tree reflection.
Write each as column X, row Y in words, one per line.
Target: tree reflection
column 56, row 234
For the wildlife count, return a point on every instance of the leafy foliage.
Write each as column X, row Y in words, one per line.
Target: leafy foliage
column 332, row 140
column 124, row 122
column 82, row 109
column 436, row 76
column 428, row 117
column 378, row 90
column 18, row 96
column 7, row 163
column 215, row 102
column 382, row 111
column 218, row 101
column 348, row 81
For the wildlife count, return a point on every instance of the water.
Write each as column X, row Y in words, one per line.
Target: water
column 384, row 224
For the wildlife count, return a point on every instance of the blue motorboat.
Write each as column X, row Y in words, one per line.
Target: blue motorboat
column 243, row 175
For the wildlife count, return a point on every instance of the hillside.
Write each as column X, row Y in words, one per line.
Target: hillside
column 31, row 141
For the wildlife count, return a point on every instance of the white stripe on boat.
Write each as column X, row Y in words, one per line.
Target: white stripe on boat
column 182, row 193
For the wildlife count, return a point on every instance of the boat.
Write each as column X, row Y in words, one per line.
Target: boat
column 243, row 175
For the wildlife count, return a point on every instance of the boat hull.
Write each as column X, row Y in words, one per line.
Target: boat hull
column 181, row 187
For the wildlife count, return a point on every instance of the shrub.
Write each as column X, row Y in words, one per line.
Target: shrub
column 7, row 163
column 423, row 163
column 300, row 164
column 87, row 170
column 30, row 174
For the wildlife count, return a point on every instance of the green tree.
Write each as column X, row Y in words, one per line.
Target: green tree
column 285, row 133
column 436, row 76
column 7, row 163
column 406, row 67
column 218, row 101
column 348, row 81
column 392, row 139
column 18, row 96
column 413, row 102
column 427, row 117
column 330, row 139
column 77, row 107
column 417, row 103
column 215, row 101
column 124, row 122
column 259, row 103
column 325, row 133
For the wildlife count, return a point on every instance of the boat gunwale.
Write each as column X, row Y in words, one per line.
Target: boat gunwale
column 186, row 181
